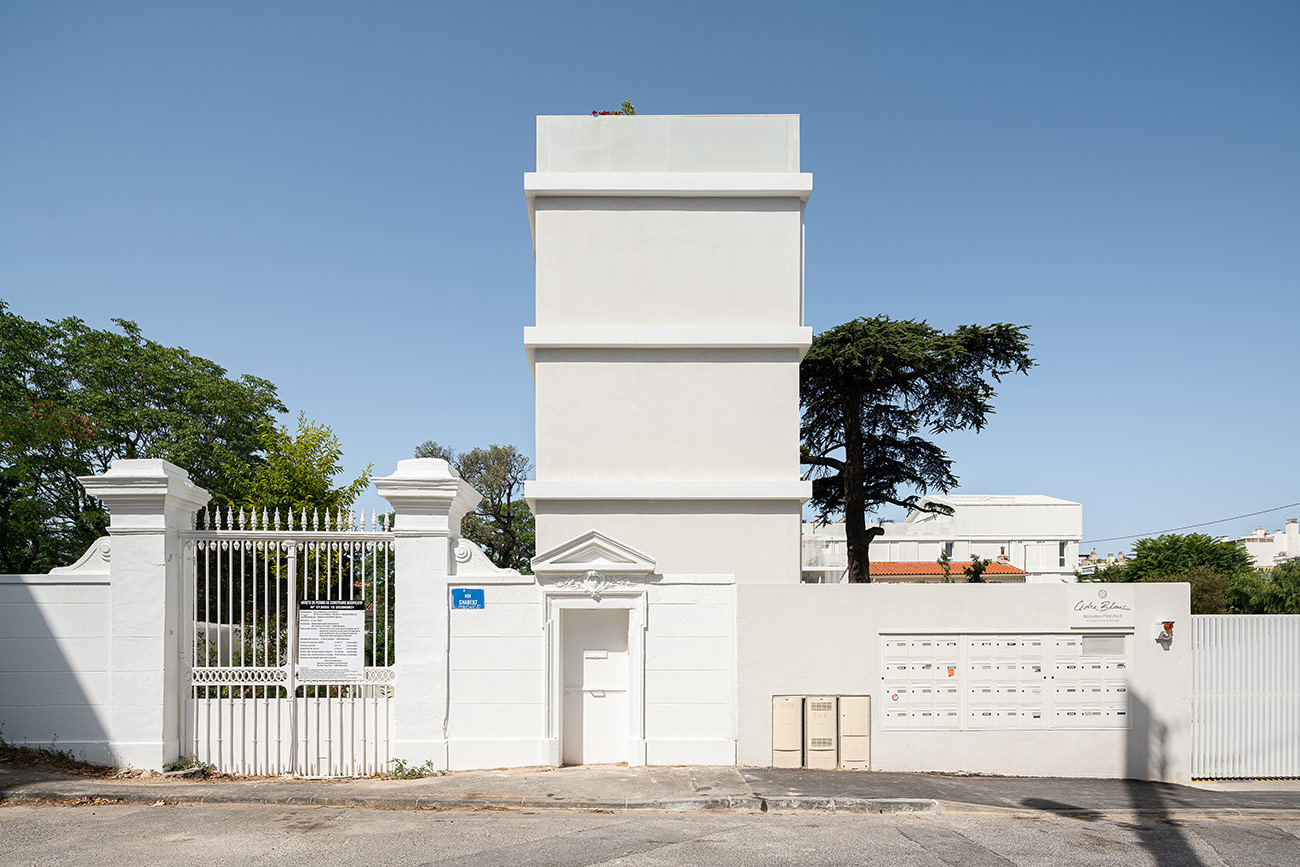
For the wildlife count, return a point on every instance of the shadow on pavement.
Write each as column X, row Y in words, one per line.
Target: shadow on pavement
column 1147, row 759
column 1071, row 810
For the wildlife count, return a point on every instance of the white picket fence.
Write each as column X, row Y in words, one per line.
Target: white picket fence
column 1245, row 696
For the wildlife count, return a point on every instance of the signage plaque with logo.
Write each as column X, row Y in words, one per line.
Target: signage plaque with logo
column 1100, row 605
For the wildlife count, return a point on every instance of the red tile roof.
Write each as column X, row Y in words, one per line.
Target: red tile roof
column 930, row 567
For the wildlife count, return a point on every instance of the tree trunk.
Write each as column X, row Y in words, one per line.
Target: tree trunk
column 855, row 507
column 864, row 556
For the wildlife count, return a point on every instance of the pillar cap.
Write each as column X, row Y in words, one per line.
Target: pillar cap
column 140, row 493
column 428, row 495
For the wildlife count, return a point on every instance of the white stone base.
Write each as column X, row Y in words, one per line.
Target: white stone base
column 471, row 755
column 691, row 751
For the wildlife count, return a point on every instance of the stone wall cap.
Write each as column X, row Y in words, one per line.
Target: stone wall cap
column 423, row 468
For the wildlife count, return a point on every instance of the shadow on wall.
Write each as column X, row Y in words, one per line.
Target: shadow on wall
column 54, row 679
column 1148, row 759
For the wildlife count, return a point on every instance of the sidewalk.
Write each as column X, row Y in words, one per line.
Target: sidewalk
column 617, row 788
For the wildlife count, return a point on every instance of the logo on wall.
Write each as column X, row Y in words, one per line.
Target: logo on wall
column 1099, row 606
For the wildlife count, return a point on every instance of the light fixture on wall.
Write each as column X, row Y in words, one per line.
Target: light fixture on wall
column 1164, row 630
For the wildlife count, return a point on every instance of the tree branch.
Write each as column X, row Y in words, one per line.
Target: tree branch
column 817, row 460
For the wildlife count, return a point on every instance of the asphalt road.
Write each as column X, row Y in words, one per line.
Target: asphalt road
column 195, row 835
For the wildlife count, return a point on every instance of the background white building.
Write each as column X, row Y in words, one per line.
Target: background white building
column 1269, row 549
column 1032, row 532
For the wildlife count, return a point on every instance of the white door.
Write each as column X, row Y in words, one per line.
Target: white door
column 595, row 675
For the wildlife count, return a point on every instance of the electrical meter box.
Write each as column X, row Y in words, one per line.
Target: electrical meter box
column 787, row 731
column 855, row 732
column 819, row 728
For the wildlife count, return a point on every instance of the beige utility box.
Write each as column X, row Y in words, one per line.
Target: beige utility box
column 819, row 732
column 787, row 731
column 855, row 732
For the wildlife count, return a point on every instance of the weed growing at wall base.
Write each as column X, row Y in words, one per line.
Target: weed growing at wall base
column 189, row 763
column 46, row 756
column 402, row 771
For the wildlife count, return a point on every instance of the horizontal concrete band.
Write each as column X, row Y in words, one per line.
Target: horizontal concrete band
column 743, row 185
column 669, row 184
column 56, row 578
column 633, row 337
column 668, row 490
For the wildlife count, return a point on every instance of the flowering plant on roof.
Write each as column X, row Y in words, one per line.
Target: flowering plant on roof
column 627, row 108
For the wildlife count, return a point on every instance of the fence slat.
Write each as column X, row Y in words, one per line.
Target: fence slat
column 1245, row 696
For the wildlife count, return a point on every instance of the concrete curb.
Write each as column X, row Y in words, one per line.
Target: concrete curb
column 1170, row 814
column 44, row 794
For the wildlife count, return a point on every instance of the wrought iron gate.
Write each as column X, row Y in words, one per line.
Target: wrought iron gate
column 246, row 709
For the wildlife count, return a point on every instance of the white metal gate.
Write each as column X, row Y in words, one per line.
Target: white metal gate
column 1245, row 696
column 245, row 708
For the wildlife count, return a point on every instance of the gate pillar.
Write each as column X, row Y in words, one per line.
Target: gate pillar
column 429, row 499
column 150, row 503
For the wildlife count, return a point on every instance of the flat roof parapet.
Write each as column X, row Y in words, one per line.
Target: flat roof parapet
column 668, row 143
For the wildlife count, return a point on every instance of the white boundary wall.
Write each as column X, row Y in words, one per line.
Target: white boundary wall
column 54, row 657
column 825, row 639
column 1246, row 699
column 502, row 699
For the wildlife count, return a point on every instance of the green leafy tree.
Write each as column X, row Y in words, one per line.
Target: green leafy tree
column 74, row 398
column 297, row 472
column 975, row 571
column 1173, row 553
column 1276, row 591
column 870, row 388
column 502, row 525
column 1211, row 588
column 1221, row 574
column 1113, row 573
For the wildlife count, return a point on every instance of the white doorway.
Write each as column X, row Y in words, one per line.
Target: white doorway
column 594, row 672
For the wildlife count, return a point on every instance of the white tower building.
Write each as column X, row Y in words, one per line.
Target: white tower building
column 669, row 332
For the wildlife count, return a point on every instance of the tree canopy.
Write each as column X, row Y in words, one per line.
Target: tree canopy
column 1276, row 591
column 502, row 525
column 872, row 390
column 1172, row 553
column 297, row 472
column 1222, row 575
column 74, row 398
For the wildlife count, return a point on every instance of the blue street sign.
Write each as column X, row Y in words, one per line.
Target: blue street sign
column 467, row 597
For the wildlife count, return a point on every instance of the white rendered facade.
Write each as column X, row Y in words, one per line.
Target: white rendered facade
column 1033, row 532
column 665, row 358
column 669, row 333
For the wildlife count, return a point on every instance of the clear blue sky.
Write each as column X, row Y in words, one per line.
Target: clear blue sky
column 329, row 195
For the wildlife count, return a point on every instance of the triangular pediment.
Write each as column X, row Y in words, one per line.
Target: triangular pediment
column 593, row 550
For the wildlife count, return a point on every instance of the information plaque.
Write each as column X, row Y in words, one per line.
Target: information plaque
column 332, row 640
